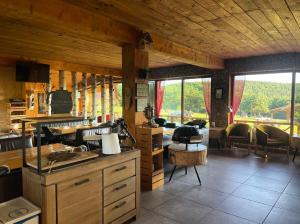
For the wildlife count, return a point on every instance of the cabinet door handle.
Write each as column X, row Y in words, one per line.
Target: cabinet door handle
column 121, row 168
column 120, row 187
column 82, row 182
column 121, row 204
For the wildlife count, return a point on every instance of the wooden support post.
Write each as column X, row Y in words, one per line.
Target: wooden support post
column 111, row 98
column 84, row 95
column 132, row 60
column 74, row 93
column 94, row 87
column 62, row 80
column 49, row 88
column 103, row 112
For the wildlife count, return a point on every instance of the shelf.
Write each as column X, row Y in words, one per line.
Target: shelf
column 156, row 151
column 150, row 141
column 156, row 172
column 13, row 117
column 17, row 108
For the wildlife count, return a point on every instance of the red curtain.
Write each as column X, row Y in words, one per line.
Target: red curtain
column 206, row 83
column 159, row 96
column 237, row 94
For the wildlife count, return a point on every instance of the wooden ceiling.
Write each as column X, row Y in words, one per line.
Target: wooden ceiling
column 61, row 31
column 25, row 41
column 199, row 32
column 225, row 28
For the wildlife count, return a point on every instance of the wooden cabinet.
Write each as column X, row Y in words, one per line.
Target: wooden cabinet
column 104, row 190
column 149, row 140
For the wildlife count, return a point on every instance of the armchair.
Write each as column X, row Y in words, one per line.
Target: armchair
column 238, row 134
column 269, row 136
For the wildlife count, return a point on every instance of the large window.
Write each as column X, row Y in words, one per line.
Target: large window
column 192, row 94
column 266, row 99
column 171, row 106
column 196, row 99
column 297, row 105
column 118, row 100
column 151, row 86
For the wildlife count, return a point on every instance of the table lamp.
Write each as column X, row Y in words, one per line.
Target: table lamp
column 110, row 144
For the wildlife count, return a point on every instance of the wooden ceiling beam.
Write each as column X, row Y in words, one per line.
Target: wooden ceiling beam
column 185, row 54
column 63, row 18
column 8, row 60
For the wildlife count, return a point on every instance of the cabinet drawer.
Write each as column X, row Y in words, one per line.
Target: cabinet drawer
column 118, row 172
column 119, row 208
column 81, row 196
column 119, row 190
column 78, row 189
column 87, row 211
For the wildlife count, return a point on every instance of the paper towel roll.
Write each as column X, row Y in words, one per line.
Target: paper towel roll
column 110, row 144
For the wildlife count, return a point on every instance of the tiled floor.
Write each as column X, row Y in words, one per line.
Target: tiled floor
column 235, row 189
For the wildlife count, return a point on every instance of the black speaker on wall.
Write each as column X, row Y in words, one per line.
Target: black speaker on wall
column 143, row 73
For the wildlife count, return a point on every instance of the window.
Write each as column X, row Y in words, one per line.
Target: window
column 151, row 89
column 171, row 106
column 297, row 105
column 264, row 99
column 118, row 100
column 196, row 99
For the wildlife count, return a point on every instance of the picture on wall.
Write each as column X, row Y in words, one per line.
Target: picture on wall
column 42, row 105
column 219, row 93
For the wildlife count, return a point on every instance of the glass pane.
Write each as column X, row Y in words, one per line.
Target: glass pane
column 297, row 105
column 171, row 106
column 118, row 100
column 196, row 106
column 151, row 90
column 265, row 100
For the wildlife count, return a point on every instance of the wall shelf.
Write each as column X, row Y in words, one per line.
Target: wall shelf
column 149, row 141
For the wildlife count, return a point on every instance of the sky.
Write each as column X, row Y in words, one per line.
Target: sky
column 276, row 77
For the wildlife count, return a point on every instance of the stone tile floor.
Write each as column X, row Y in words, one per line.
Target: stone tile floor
column 236, row 188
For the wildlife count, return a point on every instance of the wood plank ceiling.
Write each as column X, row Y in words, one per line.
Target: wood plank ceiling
column 217, row 28
column 225, row 28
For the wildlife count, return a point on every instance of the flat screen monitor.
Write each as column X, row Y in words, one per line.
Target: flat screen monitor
column 32, row 72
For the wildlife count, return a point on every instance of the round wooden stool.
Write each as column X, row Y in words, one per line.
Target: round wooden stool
column 195, row 155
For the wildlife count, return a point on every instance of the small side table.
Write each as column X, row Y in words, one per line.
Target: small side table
column 296, row 143
column 217, row 134
column 193, row 156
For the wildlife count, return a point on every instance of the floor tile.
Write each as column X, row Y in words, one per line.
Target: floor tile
column 257, row 194
column 152, row 199
column 293, row 188
column 246, row 209
column 230, row 175
column 152, row 218
column 289, row 202
column 279, row 216
column 183, row 211
column 217, row 217
column 176, row 187
column 205, row 196
column 281, row 176
column 266, row 183
column 221, row 185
